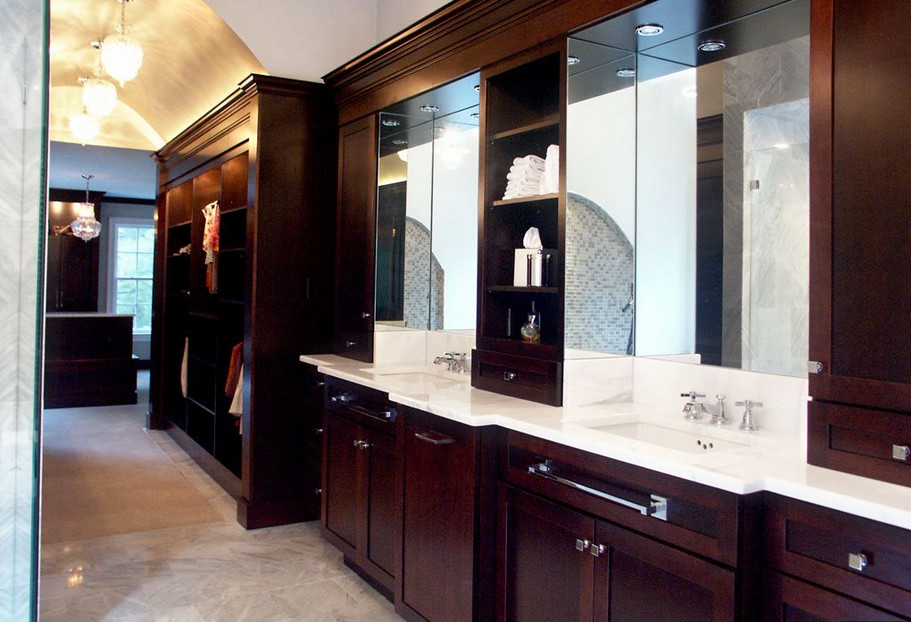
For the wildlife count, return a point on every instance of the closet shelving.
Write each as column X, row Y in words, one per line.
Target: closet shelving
column 523, row 104
column 267, row 155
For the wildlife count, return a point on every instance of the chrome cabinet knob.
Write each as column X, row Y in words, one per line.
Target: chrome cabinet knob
column 857, row 561
column 901, row 452
column 581, row 545
column 509, row 376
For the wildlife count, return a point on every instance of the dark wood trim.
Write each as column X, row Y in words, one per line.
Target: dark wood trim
column 821, row 111
column 458, row 39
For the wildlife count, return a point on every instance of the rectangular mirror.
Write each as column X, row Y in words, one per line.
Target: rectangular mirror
column 721, row 173
column 427, row 210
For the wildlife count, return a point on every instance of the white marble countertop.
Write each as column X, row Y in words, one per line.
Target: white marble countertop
column 738, row 462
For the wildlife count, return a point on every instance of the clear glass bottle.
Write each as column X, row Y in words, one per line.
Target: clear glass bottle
column 531, row 330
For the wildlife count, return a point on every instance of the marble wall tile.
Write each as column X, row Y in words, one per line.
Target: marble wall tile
column 21, row 199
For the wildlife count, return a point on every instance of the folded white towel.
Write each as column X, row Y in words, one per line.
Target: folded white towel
column 530, row 160
column 550, row 178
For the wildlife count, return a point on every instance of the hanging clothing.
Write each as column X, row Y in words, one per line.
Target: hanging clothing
column 210, row 238
column 237, row 360
column 237, row 404
column 183, row 366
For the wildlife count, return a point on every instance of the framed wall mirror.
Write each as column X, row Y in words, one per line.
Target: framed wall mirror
column 694, row 141
column 426, row 275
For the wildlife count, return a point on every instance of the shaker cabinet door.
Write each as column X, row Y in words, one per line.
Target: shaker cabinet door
column 545, row 563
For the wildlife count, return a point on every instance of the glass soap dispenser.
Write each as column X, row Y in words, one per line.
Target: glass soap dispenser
column 531, row 330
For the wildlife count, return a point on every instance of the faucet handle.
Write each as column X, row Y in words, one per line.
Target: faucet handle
column 692, row 394
column 748, row 424
column 748, row 404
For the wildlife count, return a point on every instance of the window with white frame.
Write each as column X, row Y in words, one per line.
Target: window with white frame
column 133, row 251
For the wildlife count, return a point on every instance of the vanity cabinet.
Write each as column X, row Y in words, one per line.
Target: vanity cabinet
column 828, row 565
column 583, row 537
column 523, row 107
column 361, row 511
column 355, row 258
column 447, row 479
column 860, row 325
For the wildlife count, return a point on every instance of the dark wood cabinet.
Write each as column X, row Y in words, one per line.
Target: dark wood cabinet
column 559, row 564
column 72, row 264
column 361, row 510
column 648, row 545
column 856, row 562
column 356, row 242
column 860, row 319
column 266, row 155
column 443, row 479
column 523, row 104
column 792, row 600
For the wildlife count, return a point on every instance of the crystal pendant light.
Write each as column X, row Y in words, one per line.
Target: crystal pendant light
column 83, row 126
column 85, row 227
column 121, row 55
column 99, row 96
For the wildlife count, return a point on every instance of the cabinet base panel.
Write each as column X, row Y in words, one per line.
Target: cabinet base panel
column 257, row 516
column 215, row 469
column 371, row 581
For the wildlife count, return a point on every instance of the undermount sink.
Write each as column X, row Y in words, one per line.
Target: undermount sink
column 423, row 378
column 668, row 438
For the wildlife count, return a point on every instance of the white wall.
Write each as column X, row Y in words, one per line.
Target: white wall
column 600, row 149
column 666, row 219
column 395, row 15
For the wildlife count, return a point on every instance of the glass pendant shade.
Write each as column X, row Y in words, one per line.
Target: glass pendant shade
column 85, row 227
column 99, row 96
column 121, row 57
column 84, row 127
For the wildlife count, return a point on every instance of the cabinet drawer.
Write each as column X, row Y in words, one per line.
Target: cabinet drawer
column 691, row 516
column 858, row 557
column 863, row 441
column 790, row 600
column 360, row 404
column 526, row 378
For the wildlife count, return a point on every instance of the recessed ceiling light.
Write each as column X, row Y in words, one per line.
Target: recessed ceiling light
column 782, row 146
column 391, row 122
column 626, row 72
column 649, row 30
column 430, row 108
column 477, row 88
column 712, row 45
column 573, row 60
column 399, row 141
column 475, row 115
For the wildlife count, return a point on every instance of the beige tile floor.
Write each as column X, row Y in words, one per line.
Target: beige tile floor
column 199, row 573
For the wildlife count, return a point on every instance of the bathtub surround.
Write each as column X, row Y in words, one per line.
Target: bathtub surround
column 22, row 155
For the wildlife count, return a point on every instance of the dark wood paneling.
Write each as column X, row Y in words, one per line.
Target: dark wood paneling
column 542, row 575
column 792, row 600
column 815, row 543
column 343, row 495
column 356, row 242
column 440, row 483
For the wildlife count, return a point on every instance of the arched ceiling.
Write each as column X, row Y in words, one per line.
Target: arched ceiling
column 191, row 61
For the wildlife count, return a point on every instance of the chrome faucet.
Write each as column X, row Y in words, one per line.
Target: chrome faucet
column 748, row 423
column 455, row 362
column 718, row 415
column 693, row 409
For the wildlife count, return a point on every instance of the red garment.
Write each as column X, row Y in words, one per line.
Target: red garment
column 234, row 367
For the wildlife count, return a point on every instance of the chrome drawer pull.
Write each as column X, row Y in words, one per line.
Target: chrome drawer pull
column 434, row 438
column 901, row 452
column 597, row 550
column 361, row 445
column 657, row 507
column 350, row 343
column 857, row 561
column 581, row 545
column 509, row 376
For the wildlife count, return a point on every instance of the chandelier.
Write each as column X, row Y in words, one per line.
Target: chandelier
column 121, row 55
column 83, row 126
column 99, row 96
column 85, row 227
